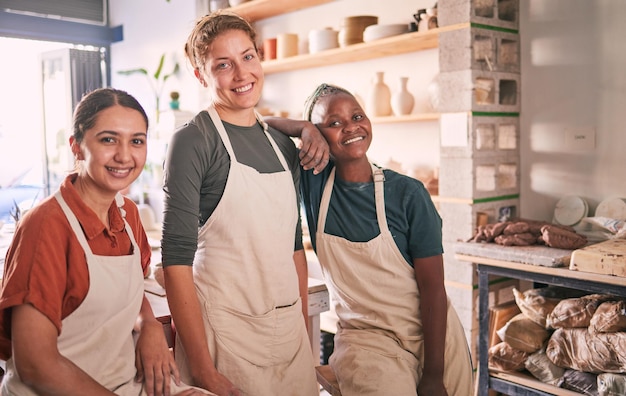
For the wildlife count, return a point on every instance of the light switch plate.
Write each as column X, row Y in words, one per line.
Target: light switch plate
column 579, row 139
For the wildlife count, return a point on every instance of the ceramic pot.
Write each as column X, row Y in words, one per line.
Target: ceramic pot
column 286, row 45
column 269, row 49
column 323, row 39
column 402, row 101
column 379, row 98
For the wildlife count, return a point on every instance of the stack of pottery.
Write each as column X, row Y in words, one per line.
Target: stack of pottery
column 352, row 29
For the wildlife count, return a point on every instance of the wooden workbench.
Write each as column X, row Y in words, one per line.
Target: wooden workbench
column 516, row 383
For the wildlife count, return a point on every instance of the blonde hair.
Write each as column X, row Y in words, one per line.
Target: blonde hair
column 208, row 28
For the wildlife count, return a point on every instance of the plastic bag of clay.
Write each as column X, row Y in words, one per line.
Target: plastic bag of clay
column 615, row 227
column 534, row 305
column 610, row 384
column 579, row 382
column 543, row 369
column 503, row 357
column 575, row 312
column 609, row 317
column 524, row 334
column 581, row 350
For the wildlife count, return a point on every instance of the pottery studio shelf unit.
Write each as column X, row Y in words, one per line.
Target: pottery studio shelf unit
column 394, row 45
column 517, row 383
column 256, row 10
column 388, row 46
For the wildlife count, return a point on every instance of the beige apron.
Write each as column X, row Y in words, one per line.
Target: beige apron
column 247, row 284
column 97, row 336
column 379, row 340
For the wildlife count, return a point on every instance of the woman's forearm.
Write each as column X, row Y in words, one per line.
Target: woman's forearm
column 288, row 126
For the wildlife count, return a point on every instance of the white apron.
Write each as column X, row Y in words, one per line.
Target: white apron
column 97, row 336
column 247, row 284
column 379, row 341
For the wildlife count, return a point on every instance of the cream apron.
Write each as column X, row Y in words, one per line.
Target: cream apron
column 97, row 336
column 379, row 340
column 247, row 283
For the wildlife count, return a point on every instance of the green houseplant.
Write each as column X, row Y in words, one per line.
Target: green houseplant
column 157, row 81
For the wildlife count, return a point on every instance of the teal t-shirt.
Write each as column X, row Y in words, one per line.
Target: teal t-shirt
column 411, row 215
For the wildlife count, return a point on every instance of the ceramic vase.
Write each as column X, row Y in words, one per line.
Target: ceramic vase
column 402, row 101
column 379, row 98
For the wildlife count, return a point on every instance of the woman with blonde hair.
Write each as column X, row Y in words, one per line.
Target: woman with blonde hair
column 235, row 270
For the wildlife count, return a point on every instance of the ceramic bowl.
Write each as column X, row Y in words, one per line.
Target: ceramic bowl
column 376, row 32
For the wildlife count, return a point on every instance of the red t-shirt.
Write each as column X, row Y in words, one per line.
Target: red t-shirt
column 45, row 265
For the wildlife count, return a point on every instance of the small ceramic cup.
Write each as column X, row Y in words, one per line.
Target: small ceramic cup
column 286, row 45
column 269, row 48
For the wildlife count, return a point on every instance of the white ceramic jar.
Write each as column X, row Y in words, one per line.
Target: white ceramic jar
column 323, row 39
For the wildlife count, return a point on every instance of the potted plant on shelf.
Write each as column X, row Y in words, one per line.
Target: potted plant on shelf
column 157, row 81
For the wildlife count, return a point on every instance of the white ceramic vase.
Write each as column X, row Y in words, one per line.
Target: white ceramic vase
column 402, row 101
column 379, row 99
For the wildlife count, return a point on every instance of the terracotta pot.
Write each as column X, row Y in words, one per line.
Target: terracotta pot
column 269, row 49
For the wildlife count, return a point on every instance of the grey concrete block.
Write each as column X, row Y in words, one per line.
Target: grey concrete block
column 486, row 136
column 479, row 178
column 499, row 13
column 460, row 220
column 474, row 90
column 456, row 271
column 479, row 49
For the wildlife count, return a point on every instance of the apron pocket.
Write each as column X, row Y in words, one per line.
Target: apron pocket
column 264, row 340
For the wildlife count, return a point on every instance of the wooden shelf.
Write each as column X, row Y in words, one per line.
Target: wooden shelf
column 405, row 118
column 395, row 45
column 529, row 381
column 255, row 10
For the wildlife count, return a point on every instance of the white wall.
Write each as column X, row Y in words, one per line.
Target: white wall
column 153, row 28
column 573, row 82
column 21, row 113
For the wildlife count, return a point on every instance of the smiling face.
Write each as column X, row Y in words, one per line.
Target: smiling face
column 233, row 72
column 112, row 151
column 345, row 126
